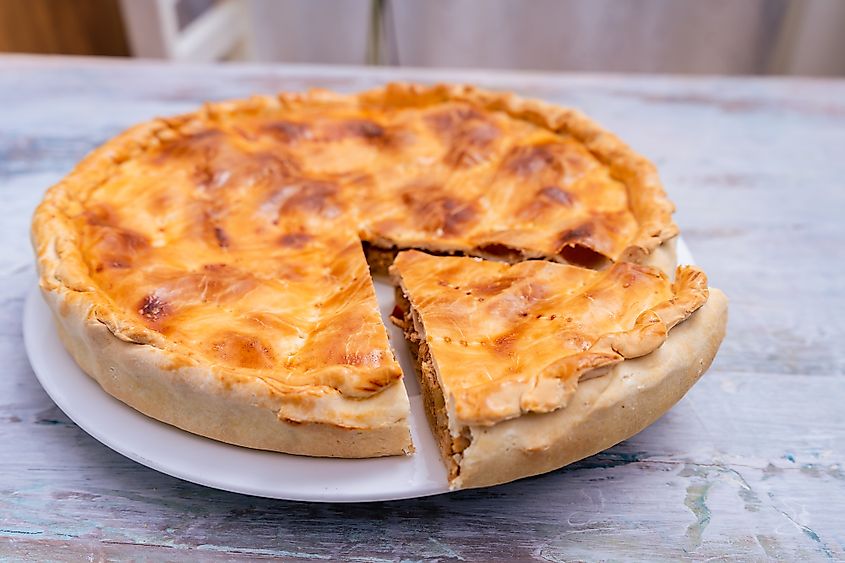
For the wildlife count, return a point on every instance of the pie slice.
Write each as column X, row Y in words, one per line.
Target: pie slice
column 528, row 367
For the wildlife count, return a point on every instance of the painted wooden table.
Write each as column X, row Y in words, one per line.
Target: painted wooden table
column 751, row 464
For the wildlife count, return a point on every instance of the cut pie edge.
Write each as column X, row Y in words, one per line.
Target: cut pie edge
column 664, row 257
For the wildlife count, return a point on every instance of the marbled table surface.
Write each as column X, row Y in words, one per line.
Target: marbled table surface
column 751, row 464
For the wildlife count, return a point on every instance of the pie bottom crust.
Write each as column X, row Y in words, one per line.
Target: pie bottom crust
column 604, row 410
column 196, row 400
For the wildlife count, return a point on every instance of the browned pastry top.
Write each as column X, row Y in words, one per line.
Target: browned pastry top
column 512, row 339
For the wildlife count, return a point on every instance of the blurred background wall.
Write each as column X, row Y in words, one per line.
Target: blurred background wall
column 805, row 37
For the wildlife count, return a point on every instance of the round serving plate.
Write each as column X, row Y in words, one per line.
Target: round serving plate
column 207, row 462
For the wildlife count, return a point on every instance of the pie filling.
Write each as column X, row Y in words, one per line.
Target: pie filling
column 451, row 447
column 381, row 258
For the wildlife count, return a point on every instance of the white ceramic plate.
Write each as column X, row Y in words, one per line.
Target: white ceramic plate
column 200, row 460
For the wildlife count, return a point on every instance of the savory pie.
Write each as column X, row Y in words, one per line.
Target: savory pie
column 212, row 270
column 504, row 352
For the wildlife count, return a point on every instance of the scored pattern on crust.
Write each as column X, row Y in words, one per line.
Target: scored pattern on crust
column 515, row 339
column 230, row 236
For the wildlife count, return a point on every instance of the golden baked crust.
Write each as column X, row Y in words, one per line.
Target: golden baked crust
column 228, row 240
column 498, row 342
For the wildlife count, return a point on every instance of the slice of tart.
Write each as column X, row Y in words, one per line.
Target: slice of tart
column 528, row 367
